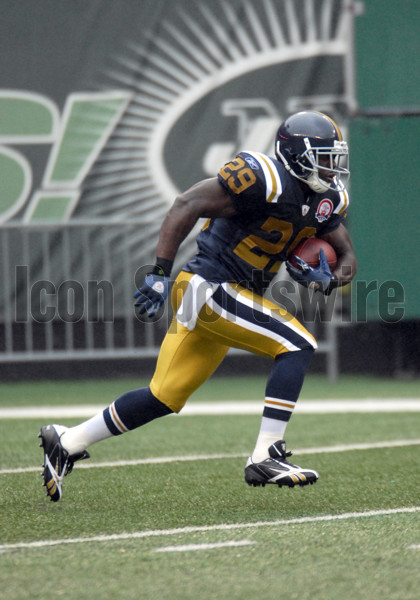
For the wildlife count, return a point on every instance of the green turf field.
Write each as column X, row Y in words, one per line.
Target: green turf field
column 216, row 389
column 190, row 528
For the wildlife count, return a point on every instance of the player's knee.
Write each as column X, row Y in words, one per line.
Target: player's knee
column 299, row 358
column 172, row 397
column 304, row 349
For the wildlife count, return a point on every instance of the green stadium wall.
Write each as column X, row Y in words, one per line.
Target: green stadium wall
column 384, row 149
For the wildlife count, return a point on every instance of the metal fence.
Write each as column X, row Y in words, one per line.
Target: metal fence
column 67, row 294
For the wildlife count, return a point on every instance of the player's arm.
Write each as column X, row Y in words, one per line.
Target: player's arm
column 208, row 198
column 321, row 278
column 346, row 260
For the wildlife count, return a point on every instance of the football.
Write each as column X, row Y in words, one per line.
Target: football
column 308, row 250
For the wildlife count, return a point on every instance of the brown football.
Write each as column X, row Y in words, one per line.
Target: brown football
column 308, row 250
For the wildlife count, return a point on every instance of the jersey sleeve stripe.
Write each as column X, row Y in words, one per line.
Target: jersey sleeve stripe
column 272, row 179
column 344, row 202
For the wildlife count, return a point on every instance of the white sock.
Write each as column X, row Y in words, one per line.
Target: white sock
column 76, row 439
column 271, row 431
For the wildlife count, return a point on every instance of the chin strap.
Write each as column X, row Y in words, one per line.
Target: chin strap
column 316, row 184
column 312, row 180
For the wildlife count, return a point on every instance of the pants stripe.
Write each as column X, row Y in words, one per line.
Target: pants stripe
column 270, row 310
column 233, row 317
column 254, row 319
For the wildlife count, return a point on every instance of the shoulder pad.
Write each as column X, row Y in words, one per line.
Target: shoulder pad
column 268, row 171
column 253, row 180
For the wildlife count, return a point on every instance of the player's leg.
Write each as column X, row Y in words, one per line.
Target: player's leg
column 185, row 361
column 248, row 321
column 282, row 392
column 244, row 320
column 64, row 446
column 129, row 411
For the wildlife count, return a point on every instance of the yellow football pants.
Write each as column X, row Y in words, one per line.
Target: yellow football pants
column 232, row 317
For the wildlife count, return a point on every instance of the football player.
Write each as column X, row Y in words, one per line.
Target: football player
column 258, row 209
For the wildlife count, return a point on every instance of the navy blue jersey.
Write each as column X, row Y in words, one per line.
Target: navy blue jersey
column 274, row 213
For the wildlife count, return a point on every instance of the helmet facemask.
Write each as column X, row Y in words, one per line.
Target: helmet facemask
column 309, row 165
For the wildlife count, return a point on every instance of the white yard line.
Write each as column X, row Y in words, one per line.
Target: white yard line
column 222, row 527
column 240, row 407
column 195, row 547
column 172, row 459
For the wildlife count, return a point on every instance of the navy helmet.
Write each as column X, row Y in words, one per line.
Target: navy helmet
column 309, row 143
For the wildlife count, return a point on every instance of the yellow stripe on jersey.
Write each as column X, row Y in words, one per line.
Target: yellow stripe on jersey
column 275, row 187
column 272, row 178
column 344, row 202
column 206, row 224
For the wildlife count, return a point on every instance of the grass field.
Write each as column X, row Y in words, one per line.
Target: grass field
column 152, row 527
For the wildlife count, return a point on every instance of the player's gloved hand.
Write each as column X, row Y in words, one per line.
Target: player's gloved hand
column 318, row 279
column 152, row 294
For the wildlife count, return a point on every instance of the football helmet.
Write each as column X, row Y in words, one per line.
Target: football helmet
column 311, row 146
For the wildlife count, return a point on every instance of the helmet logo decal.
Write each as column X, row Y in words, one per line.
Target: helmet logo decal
column 324, row 210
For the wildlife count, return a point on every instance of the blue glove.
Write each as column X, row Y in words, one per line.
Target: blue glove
column 152, row 294
column 315, row 279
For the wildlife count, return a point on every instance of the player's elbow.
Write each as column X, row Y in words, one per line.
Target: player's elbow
column 184, row 203
column 181, row 206
column 182, row 215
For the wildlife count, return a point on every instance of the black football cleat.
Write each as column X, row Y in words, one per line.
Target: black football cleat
column 57, row 461
column 278, row 470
